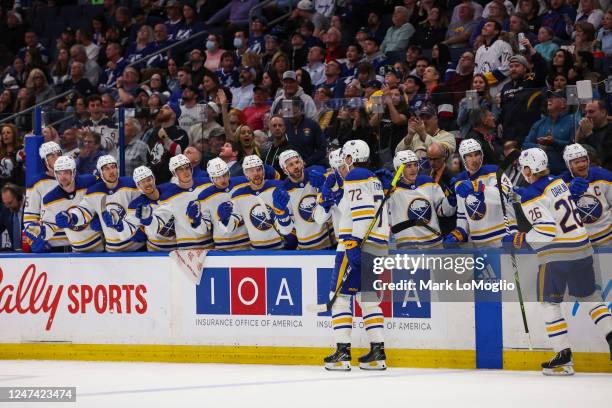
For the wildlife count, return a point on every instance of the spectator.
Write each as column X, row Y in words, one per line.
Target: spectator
column 354, row 54
column 518, row 24
column 440, row 58
column 461, row 79
column 38, row 85
column 89, row 153
column 91, row 68
column 255, row 113
column 493, row 56
column 303, row 79
column 431, row 31
column 352, row 124
column 271, row 48
column 15, row 77
column 604, row 35
column 201, row 131
column 78, row 83
column 423, row 130
column 213, row 52
column 298, row 53
column 60, row 72
column 255, row 42
column 374, row 56
column 441, row 97
column 175, row 19
column 333, row 48
column 437, row 158
column 11, row 214
column 557, row 18
column 277, row 144
column 483, row 131
column 230, row 154
column 457, row 37
column 595, row 130
column 69, row 142
column 315, row 66
column 553, row 132
column 196, row 66
column 142, row 47
column 161, row 40
column 420, row 67
column 83, row 37
column 211, row 87
column 485, row 102
column 114, row 67
column 195, row 158
column 584, row 68
column 191, row 24
column 399, row 34
column 25, row 100
column 244, row 135
column 228, row 73
column 391, row 124
column 476, row 10
column 6, row 103
column 546, row 47
column 584, row 38
column 559, row 82
column 332, row 79
column 242, row 96
column 166, row 140
column 590, row 12
column 414, row 89
column 305, row 134
column 11, row 155
column 136, row 150
column 32, row 43
column 188, row 114
column 375, row 27
column 531, row 10
column 292, row 90
column 14, row 32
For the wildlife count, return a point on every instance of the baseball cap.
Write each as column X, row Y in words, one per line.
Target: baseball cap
column 249, row 69
column 305, row 5
column 555, row 94
column 520, row 59
column 217, row 132
column 428, row 110
column 374, row 84
column 214, row 107
column 263, row 20
column 290, row 75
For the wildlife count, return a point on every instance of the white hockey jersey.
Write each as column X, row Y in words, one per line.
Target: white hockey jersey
column 494, row 62
column 157, row 241
column 422, row 201
column 595, row 206
column 172, row 209
column 254, row 208
column 99, row 198
column 81, row 238
column 33, row 206
column 302, row 203
column 483, row 221
column 363, row 194
column 558, row 233
column 210, row 199
column 109, row 134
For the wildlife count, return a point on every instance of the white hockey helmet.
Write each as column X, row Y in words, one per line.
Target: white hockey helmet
column 357, row 149
column 48, row 148
column 468, row 146
column 141, row 173
column 64, row 163
column 534, row 158
column 573, row 152
column 404, row 157
column 251, row 161
column 286, row 155
column 103, row 161
column 216, row 167
column 177, row 161
column 335, row 159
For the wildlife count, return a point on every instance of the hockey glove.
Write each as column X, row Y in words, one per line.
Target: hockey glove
column 467, row 187
column 578, row 187
column 39, row 245
column 451, row 197
column 330, row 181
column 385, row 177
column 353, row 253
column 65, row 219
column 326, row 198
column 454, row 238
column 95, row 224
column 316, row 178
column 338, row 195
column 144, row 213
column 225, row 212
column 280, row 199
column 516, row 240
column 108, row 219
column 194, row 213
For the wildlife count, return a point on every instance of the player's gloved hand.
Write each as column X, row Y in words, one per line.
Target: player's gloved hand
column 316, row 178
column 108, row 219
column 39, row 245
column 451, row 197
column 454, row 238
column 326, row 199
column 467, row 187
column 330, row 181
column 64, row 219
column 280, row 199
column 516, row 240
column 290, row 241
column 338, row 195
column 194, row 213
column 353, row 253
column 225, row 212
column 385, row 177
column 95, row 224
column 578, row 187
column 144, row 213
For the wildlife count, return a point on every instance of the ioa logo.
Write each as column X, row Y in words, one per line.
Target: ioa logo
column 409, row 304
column 250, row 291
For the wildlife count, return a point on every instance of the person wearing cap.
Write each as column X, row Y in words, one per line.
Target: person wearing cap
column 554, row 131
column 255, row 113
column 13, row 31
column 303, row 11
column 399, row 34
column 521, row 97
column 423, row 131
column 242, row 96
column 175, row 19
column 166, row 141
column 414, row 89
column 199, row 133
column 291, row 89
column 305, row 135
column 392, row 77
column 255, row 43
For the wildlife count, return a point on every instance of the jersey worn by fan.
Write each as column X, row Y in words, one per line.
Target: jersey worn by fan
column 33, row 205
column 109, row 134
column 558, row 233
column 422, row 202
column 157, row 241
column 100, row 198
column 595, row 205
column 254, row 208
column 481, row 220
column 363, row 194
column 302, row 203
column 173, row 208
column 81, row 238
column 210, row 199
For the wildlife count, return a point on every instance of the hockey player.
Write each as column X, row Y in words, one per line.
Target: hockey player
column 44, row 182
column 108, row 198
column 68, row 194
column 330, row 194
column 157, row 240
column 363, row 194
column 204, row 210
column 418, row 198
column 591, row 189
column 479, row 214
column 564, row 256
column 302, row 186
column 173, row 206
column 260, row 205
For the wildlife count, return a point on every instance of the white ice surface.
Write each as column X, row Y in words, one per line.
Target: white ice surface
column 114, row 385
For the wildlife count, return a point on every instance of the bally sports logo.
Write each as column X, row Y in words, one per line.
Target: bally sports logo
column 34, row 294
column 250, row 291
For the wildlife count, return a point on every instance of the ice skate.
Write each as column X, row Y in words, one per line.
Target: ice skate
column 375, row 359
column 561, row 364
column 340, row 360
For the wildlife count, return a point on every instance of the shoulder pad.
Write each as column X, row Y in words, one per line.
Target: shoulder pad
column 54, row 194
column 423, row 179
column 127, row 182
column 359, row 174
column 598, row 173
column 567, row 177
column 39, row 177
column 98, row 187
column 85, row 180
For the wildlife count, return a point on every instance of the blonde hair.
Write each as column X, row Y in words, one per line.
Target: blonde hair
column 32, row 74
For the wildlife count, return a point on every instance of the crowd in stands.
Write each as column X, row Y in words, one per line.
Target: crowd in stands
column 234, row 79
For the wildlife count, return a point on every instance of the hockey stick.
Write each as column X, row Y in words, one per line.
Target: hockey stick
column 399, row 227
column 508, row 161
column 324, row 307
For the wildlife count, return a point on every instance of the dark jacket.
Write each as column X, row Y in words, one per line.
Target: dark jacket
column 161, row 151
column 308, row 140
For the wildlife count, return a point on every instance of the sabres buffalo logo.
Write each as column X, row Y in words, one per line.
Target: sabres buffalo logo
column 589, row 208
column 419, row 210
column 306, row 207
column 168, row 230
column 475, row 208
column 116, row 211
column 260, row 217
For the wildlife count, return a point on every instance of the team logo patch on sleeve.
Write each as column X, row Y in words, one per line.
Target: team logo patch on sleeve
column 306, row 207
column 475, row 208
column 419, row 210
column 589, row 208
column 260, row 217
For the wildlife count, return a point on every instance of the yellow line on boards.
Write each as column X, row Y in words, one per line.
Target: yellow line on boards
column 531, row 360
